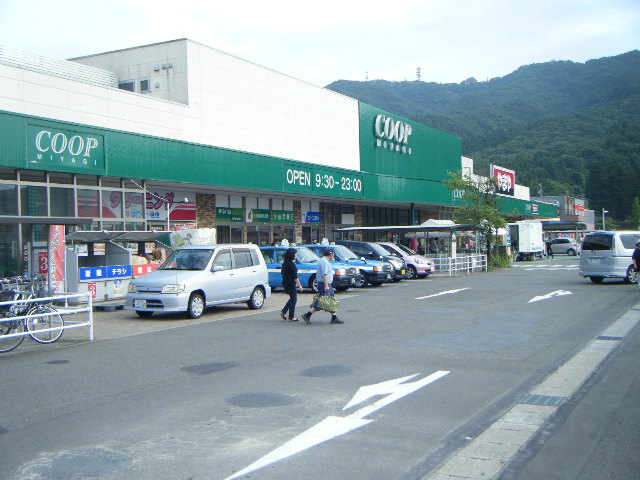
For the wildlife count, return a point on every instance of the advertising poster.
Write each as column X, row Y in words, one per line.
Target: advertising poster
column 182, row 208
column 56, row 258
column 99, row 248
column 505, row 180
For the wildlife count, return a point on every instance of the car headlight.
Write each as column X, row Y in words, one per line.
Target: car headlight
column 396, row 264
column 132, row 288
column 179, row 288
column 340, row 272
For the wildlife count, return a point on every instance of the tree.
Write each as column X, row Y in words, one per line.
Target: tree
column 481, row 205
column 635, row 214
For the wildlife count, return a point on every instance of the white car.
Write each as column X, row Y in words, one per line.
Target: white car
column 565, row 245
column 193, row 278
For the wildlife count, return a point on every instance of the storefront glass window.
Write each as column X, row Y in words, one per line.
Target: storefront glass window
column 111, row 204
column 87, row 203
column 113, row 226
column 134, row 205
column 8, row 200
column 34, row 200
column 62, row 202
column 134, row 226
column 9, row 250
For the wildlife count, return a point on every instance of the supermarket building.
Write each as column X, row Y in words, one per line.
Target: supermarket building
column 177, row 133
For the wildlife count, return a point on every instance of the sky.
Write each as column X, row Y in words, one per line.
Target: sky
column 450, row 40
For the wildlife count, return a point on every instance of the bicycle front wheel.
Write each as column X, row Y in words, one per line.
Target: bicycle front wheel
column 45, row 322
column 9, row 328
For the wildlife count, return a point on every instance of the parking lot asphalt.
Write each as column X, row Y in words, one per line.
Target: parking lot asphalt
column 595, row 435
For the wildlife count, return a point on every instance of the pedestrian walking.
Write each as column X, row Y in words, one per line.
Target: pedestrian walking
column 291, row 284
column 549, row 250
column 324, row 275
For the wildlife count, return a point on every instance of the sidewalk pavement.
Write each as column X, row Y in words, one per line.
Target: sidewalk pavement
column 596, row 434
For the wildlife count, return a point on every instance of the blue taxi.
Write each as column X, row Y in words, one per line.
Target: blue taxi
column 372, row 272
column 344, row 276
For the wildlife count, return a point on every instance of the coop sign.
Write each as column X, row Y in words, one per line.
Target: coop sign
column 392, row 134
column 64, row 150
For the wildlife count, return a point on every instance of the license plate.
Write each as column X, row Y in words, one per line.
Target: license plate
column 403, row 272
column 139, row 304
column 594, row 261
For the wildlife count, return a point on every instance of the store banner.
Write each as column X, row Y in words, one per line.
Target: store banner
column 505, row 180
column 181, row 208
column 311, row 217
column 258, row 215
column 283, row 216
column 56, row 258
column 228, row 214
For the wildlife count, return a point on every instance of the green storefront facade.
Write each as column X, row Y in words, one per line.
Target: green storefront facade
column 45, row 163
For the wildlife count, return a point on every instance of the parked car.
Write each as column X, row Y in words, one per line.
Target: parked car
column 565, row 245
column 193, row 278
column 344, row 276
column 372, row 272
column 373, row 251
column 418, row 266
column 608, row 255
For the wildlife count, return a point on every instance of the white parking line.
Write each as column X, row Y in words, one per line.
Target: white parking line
column 442, row 293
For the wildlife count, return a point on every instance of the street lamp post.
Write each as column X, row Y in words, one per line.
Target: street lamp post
column 603, row 212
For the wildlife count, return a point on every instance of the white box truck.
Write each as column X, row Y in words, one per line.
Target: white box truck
column 527, row 239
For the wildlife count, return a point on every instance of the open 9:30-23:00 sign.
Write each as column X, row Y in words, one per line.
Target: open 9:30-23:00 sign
column 321, row 181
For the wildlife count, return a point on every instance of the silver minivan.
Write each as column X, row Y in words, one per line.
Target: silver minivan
column 608, row 255
column 193, row 278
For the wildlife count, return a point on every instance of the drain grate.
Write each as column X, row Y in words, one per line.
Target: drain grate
column 605, row 337
column 544, row 400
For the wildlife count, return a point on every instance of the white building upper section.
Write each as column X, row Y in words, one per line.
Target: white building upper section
column 189, row 92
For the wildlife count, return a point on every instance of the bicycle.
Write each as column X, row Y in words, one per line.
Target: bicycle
column 37, row 318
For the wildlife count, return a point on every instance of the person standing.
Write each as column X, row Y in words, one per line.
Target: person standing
column 635, row 258
column 549, row 249
column 290, row 283
column 324, row 275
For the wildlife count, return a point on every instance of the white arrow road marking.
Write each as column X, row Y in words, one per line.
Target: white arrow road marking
column 442, row 293
column 557, row 293
column 333, row 426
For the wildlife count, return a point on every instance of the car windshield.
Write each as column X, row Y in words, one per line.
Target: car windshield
column 379, row 250
column 406, row 250
column 390, row 250
column 344, row 254
column 187, row 259
column 306, row 256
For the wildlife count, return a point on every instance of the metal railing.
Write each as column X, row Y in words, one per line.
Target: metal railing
column 59, row 310
column 459, row 263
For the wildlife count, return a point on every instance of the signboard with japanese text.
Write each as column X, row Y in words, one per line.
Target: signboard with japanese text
column 283, row 216
column 56, row 258
column 105, row 273
column 158, row 201
column 228, row 214
column 505, row 180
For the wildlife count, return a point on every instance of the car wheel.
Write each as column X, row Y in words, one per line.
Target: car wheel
column 195, row 306
column 631, row 275
column 256, row 301
column 571, row 252
column 413, row 273
column 313, row 284
column 363, row 281
column 144, row 314
column 596, row 279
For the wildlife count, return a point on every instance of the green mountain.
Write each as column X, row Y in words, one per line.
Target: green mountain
column 564, row 127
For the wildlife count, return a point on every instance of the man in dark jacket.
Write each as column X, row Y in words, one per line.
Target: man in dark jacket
column 290, row 283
